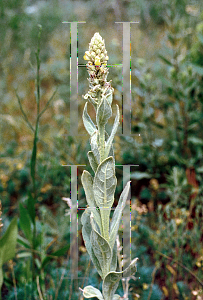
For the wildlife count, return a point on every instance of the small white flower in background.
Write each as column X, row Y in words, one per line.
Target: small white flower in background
column 68, row 201
column 157, row 143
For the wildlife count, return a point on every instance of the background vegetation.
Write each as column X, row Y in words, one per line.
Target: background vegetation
column 167, row 112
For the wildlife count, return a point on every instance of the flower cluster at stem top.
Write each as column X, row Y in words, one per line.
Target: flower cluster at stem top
column 97, row 69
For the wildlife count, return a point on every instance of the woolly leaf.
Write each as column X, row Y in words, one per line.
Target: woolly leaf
column 109, row 97
column 91, row 100
column 86, row 232
column 117, row 214
column 87, row 183
column 92, row 160
column 114, row 258
column 104, row 186
column 113, row 132
column 104, row 112
column 91, row 292
column 101, row 249
column 94, row 147
column 89, row 125
column 111, row 281
column 111, row 152
column 104, row 183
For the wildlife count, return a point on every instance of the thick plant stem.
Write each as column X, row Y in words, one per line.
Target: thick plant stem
column 102, row 141
column 105, row 213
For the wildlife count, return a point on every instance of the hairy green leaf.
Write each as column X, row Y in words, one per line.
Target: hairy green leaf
column 92, row 160
column 104, row 186
column 114, row 258
column 111, row 281
column 113, row 132
column 104, row 183
column 104, row 112
column 90, row 292
column 94, row 146
column 89, row 125
column 87, row 183
column 86, row 232
column 109, row 96
column 117, row 214
column 111, row 152
column 91, row 100
column 101, row 249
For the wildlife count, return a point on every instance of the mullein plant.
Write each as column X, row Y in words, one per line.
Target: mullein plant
column 99, row 233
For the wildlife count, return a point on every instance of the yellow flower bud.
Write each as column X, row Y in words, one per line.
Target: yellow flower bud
column 97, row 61
column 86, row 57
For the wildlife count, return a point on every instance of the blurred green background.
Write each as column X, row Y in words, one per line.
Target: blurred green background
column 167, row 113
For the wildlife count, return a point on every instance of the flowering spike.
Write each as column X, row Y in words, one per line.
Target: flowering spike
column 97, row 68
